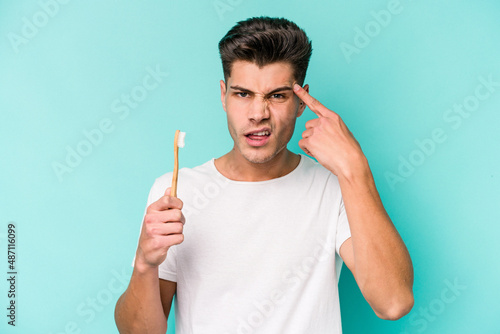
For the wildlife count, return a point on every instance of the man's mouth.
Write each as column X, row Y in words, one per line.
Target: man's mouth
column 258, row 137
column 259, row 134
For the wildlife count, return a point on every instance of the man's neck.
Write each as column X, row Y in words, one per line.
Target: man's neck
column 235, row 167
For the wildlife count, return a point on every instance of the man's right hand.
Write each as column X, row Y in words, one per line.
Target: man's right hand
column 145, row 304
column 161, row 229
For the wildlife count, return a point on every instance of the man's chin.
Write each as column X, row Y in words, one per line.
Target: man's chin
column 259, row 156
column 258, row 160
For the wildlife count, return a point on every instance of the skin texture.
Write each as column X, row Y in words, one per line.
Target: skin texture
column 253, row 106
column 375, row 254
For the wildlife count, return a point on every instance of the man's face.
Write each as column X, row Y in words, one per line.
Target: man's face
column 261, row 109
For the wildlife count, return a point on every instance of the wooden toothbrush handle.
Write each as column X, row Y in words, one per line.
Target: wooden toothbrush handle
column 173, row 189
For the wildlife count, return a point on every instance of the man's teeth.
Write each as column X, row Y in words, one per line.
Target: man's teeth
column 262, row 133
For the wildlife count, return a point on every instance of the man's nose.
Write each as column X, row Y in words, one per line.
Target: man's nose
column 259, row 109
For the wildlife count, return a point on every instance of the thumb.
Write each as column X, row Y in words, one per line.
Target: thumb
column 167, row 192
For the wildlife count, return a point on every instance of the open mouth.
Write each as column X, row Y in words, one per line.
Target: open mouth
column 259, row 135
column 258, row 138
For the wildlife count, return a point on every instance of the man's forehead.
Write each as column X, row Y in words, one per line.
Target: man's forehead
column 265, row 79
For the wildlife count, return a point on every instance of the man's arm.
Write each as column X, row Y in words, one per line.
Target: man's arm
column 141, row 308
column 375, row 253
column 145, row 305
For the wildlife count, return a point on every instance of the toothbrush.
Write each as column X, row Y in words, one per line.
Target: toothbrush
column 178, row 142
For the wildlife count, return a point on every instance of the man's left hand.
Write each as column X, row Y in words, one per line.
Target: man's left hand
column 328, row 139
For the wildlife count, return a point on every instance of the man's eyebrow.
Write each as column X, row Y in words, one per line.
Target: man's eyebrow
column 279, row 89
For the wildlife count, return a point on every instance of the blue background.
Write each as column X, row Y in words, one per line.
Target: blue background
column 77, row 230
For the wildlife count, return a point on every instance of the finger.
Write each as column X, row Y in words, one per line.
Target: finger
column 167, row 241
column 156, row 217
column 167, row 216
column 174, row 216
column 174, row 239
column 307, row 133
column 303, row 146
column 159, row 229
column 312, row 123
column 313, row 104
column 170, row 228
column 166, row 202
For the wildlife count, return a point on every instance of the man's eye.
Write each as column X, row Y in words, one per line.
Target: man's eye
column 278, row 96
column 242, row 94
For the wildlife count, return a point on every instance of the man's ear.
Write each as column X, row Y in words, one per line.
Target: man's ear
column 302, row 104
column 223, row 94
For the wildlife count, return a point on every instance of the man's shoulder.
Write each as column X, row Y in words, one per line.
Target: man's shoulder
column 312, row 172
column 308, row 164
column 186, row 173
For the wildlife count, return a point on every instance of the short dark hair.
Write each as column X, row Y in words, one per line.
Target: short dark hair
column 264, row 40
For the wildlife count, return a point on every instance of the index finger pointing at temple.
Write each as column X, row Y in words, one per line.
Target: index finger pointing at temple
column 313, row 104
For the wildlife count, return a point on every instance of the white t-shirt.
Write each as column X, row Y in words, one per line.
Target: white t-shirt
column 257, row 257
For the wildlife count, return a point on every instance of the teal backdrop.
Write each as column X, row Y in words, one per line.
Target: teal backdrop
column 92, row 92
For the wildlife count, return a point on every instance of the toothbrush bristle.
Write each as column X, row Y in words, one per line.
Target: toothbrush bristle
column 180, row 139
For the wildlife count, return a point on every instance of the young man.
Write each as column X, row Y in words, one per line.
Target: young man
column 252, row 243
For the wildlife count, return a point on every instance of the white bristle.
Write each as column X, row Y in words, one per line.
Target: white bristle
column 180, row 139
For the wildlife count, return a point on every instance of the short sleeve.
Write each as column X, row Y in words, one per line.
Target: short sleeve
column 343, row 230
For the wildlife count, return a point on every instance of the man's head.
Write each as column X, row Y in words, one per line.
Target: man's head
column 262, row 58
column 265, row 40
